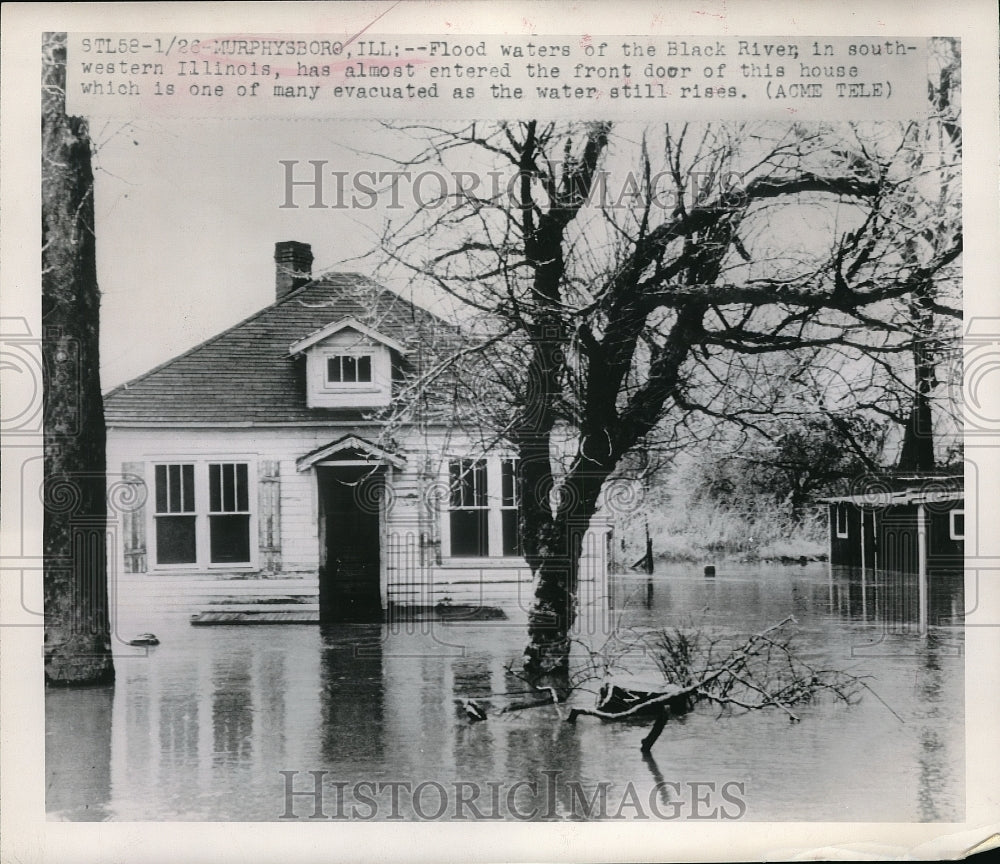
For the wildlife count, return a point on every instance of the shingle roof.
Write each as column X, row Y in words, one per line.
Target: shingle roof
column 245, row 375
column 906, row 489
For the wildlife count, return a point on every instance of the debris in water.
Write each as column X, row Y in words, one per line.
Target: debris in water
column 473, row 710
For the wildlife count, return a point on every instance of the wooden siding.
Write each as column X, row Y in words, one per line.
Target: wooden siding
column 845, row 551
column 288, row 543
column 944, row 553
column 890, row 539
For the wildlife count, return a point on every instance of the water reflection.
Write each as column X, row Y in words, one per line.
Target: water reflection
column 202, row 727
column 232, row 710
column 893, row 598
column 78, row 752
column 179, row 729
column 477, row 746
column 935, row 769
column 270, row 709
column 552, row 760
column 351, row 693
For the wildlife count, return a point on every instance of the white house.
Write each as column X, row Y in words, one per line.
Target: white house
column 268, row 491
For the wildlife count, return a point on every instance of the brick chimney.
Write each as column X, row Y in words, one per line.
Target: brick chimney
column 292, row 267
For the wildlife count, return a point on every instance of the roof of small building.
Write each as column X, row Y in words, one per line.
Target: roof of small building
column 904, row 489
column 245, row 377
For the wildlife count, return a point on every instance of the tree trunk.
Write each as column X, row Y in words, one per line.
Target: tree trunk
column 552, row 616
column 917, row 452
column 77, row 631
column 556, row 572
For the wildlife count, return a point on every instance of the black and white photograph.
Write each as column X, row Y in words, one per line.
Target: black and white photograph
column 445, row 414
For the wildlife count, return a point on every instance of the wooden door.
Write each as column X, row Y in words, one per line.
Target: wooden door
column 350, row 575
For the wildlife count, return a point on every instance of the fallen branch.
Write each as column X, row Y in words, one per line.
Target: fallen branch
column 654, row 732
column 522, row 706
column 763, row 671
column 548, row 689
column 677, row 700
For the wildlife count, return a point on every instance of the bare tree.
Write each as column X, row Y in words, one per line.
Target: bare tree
column 77, row 636
column 932, row 145
column 627, row 282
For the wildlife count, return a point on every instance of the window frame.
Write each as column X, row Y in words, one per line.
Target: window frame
column 348, row 386
column 514, row 506
column 223, row 511
column 958, row 511
column 186, row 497
column 470, row 476
column 838, row 508
column 494, row 508
column 202, row 513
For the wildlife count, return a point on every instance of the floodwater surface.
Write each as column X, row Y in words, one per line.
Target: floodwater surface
column 286, row 722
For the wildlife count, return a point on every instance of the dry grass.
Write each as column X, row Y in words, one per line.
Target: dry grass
column 704, row 531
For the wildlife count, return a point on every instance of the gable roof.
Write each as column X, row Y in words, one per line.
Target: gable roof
column 345, row 324
column 352, row 448
column 245, row 377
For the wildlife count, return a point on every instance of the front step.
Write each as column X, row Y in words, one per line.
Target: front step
column 265, row 613
column 262, row 616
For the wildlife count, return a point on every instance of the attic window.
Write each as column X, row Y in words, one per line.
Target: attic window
column 349, row 369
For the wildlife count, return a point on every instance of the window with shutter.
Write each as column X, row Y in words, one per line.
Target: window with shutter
column 202, row 513
column 228, row 513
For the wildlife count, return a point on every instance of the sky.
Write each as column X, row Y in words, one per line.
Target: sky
column 187, row 214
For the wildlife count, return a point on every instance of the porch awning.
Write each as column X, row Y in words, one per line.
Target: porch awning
column 903, row 497
column 350, row 450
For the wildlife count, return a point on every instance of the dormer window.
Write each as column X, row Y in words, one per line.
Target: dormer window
column 348, row 365
column 349, row 369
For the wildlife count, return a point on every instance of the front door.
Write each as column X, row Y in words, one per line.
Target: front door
column 349, row 536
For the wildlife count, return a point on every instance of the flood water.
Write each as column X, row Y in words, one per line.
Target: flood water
column 365, row 723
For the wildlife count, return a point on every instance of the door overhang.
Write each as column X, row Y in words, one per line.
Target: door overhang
column 349, row 451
